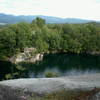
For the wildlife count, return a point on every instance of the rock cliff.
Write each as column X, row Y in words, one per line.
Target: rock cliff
column 28, row 55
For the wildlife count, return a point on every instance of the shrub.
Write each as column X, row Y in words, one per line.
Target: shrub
column 51, row 74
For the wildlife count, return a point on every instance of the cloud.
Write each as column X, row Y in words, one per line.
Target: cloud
column 88, row 9
column 98, row 1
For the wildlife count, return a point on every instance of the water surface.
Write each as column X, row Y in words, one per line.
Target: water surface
column 62, row 64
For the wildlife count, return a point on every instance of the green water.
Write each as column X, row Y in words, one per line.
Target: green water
column 62, row 64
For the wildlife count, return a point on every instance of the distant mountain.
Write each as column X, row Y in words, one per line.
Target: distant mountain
column 11, row 19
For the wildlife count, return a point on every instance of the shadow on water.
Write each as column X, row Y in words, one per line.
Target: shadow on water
column 63, row 64
column 5, row 68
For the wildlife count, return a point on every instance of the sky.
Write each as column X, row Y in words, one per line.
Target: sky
column 85, row 9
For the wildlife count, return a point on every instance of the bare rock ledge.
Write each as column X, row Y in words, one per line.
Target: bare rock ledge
column 22, row 89
column 48, row 85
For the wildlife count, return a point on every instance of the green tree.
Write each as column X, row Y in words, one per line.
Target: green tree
column 39, row 22
column 7, row 42
column 23, row 35
column 41, row 45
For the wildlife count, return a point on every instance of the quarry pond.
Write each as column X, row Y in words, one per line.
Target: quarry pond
column 56, row 65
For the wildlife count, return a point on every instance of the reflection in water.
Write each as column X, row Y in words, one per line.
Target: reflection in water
column 6, row 68
column 63, row 64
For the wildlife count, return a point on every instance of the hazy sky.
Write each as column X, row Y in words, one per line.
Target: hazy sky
column 88, row 9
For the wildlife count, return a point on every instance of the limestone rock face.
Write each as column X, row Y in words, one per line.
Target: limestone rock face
column 27, row 56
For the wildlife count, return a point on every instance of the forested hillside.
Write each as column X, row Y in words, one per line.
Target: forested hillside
column 12, row 19
column 73, row 38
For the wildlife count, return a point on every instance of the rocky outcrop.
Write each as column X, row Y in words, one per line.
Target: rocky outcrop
column 93, row 52
column 46, row 85
column 28, row 55
column 42, row 86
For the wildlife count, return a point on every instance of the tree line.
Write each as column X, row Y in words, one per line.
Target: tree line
column 73, row 38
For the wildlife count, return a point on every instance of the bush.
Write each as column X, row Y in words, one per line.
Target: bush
column 51, row 74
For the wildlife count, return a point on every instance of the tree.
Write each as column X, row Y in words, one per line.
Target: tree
column 54, row 41
column 41, row 45
column 39, row 22
column 23, row 35
column 7, row 42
